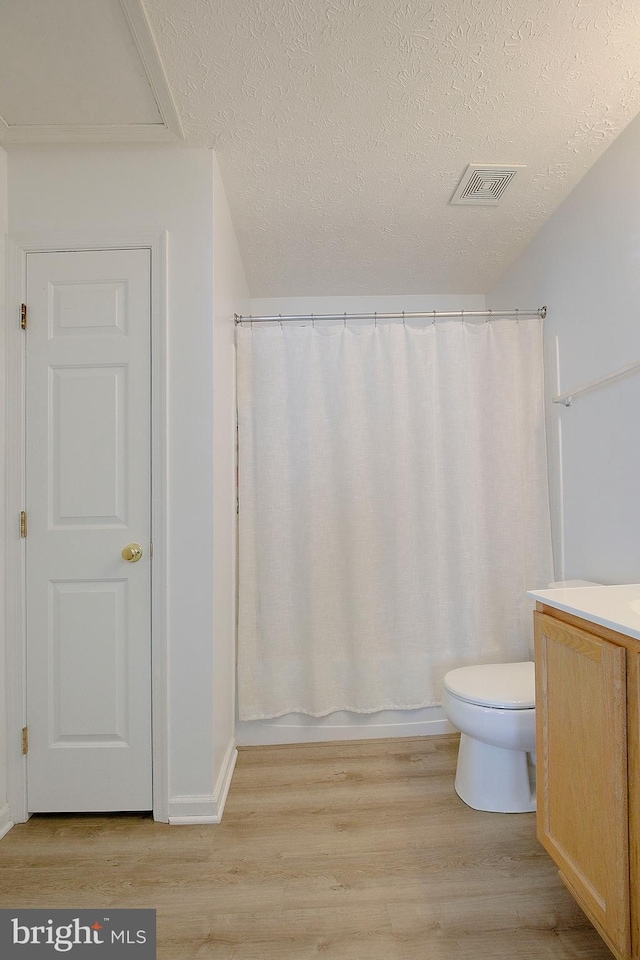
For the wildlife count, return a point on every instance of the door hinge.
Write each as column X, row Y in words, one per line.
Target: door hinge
column 23, row 316
column 23, row 523
column 25, row 741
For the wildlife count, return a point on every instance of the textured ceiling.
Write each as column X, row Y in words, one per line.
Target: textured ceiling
column 343, row 126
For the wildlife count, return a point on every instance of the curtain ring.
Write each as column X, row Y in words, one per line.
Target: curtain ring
column 375, row 320
column 345, row 321
column 434, row 318
column 489, row 317
column 403, row 323
column 280, row 320
column 517, row 318
column 462, row 316
column 313, row 322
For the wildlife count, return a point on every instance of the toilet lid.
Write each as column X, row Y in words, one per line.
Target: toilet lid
column 508, row 685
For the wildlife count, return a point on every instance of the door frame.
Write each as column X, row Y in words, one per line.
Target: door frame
column 15, row 553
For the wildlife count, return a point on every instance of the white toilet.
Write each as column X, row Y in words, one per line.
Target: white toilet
column 493, row 706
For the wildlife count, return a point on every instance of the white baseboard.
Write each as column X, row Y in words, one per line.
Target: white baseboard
column 299, row 728
column 223, row 782
column 205, row 809
column 5, row 820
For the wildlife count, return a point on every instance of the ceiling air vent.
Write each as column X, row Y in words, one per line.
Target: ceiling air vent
column 484, row 183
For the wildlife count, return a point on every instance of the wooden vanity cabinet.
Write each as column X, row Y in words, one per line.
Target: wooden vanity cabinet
column 588, row 768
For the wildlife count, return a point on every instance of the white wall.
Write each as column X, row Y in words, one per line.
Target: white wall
column 231, row 295
column 294, row 306
column 298, row 728
column 129, row 192
column 585, row 265
column 4, row 810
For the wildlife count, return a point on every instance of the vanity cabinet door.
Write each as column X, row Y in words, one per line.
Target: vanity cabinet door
column 581, row 716
column 633, row 713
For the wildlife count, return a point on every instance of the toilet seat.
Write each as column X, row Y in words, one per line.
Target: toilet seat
column 510, row 686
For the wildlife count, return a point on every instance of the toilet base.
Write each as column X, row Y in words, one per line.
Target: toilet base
column 494, row 779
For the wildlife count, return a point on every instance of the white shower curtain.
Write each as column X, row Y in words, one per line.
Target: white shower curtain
column 393, row 509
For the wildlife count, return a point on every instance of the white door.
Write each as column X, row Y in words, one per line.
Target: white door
column 87, row 499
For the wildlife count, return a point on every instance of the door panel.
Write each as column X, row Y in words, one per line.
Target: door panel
column 88, row 461
column 88, row 496
column 89, row 712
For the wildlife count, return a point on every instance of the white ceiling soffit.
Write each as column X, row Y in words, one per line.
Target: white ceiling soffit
column 82, row 71
column 343, row 126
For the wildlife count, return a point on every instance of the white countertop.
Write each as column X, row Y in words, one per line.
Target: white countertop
column 616, row 607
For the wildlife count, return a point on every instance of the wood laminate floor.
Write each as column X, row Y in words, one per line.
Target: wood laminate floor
column 349, row 851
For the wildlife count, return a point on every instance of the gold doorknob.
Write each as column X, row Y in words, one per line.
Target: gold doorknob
column 132, row 552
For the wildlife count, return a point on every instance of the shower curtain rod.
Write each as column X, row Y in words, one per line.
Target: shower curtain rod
column 541, row 312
